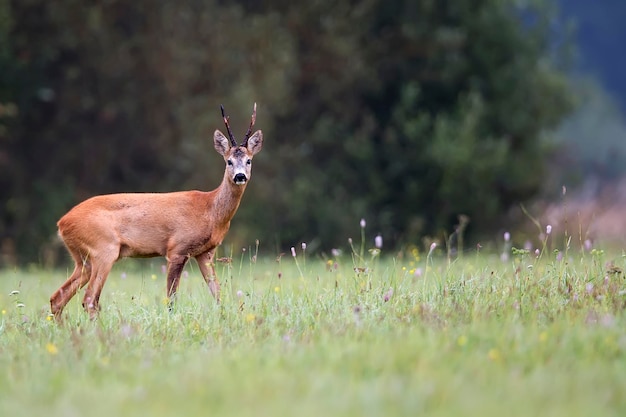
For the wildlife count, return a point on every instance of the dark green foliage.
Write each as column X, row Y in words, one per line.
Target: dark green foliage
column 406, row 113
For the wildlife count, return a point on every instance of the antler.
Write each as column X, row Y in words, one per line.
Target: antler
column 230, row 133
column 252, row 120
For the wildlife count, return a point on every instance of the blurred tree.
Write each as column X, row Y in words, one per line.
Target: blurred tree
column 407, row 113
column 590, row 145
column 411, row 113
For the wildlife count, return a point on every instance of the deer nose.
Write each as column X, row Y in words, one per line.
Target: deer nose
column 240, row 178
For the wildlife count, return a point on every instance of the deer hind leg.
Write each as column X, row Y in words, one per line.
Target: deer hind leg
column 207, row 268
column 175, row 265
column 78, row 279
column 101, row 266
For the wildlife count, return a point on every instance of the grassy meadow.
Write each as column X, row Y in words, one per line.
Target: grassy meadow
column 402, row 334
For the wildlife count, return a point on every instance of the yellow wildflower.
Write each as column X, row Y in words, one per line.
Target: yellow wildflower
column 494, row 355
column 52, row 349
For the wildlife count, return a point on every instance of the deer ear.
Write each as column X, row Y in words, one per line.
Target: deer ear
column 222, row 145
column 255, row 142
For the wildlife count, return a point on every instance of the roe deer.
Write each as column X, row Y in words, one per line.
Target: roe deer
column 178, row 225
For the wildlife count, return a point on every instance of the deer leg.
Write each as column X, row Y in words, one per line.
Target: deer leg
column 175, row 265
column 78, row 279
column 207, row 268
column 100, row 272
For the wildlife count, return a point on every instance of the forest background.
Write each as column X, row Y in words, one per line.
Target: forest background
column 405, row 113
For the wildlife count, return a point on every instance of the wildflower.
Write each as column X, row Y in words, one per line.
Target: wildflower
column 250, row 318
column 494, row 355
column 49, row 317
column 362, row 223
column 303, row 246
column 335, row 252
column 537, row 252
column 239, row 293
column 418, row 272
column 588, row 245
column 153, row 276
column 378, row 242
column 507, row 236
column 433, row 246
column 388, row 295
column 589, row 287
column 548, row 229
column 276, row 290
column 4, row 312
column 52, row 349
column 163, row 269
column 126, row 330
column 559, row 256
column 123, row 275
column 293, row 251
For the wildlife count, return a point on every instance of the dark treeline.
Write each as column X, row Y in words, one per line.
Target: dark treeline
column 406, row 113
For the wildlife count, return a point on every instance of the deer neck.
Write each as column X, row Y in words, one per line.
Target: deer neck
column 227, row 199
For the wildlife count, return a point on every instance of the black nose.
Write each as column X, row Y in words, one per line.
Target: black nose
column 240, row 178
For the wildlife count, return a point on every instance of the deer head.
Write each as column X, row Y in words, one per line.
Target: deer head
column 238, row 157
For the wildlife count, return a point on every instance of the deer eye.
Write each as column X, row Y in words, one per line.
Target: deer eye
column 229, row 162
column 249, row 161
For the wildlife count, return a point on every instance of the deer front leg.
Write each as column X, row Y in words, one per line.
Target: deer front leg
column 207, row 268
column 175, row 265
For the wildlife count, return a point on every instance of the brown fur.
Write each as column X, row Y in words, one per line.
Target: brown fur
column 178, row 226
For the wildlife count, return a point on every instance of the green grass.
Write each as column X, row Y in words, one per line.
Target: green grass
column 477, row 337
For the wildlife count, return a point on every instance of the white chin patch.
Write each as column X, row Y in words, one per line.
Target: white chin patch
column 240, row 182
